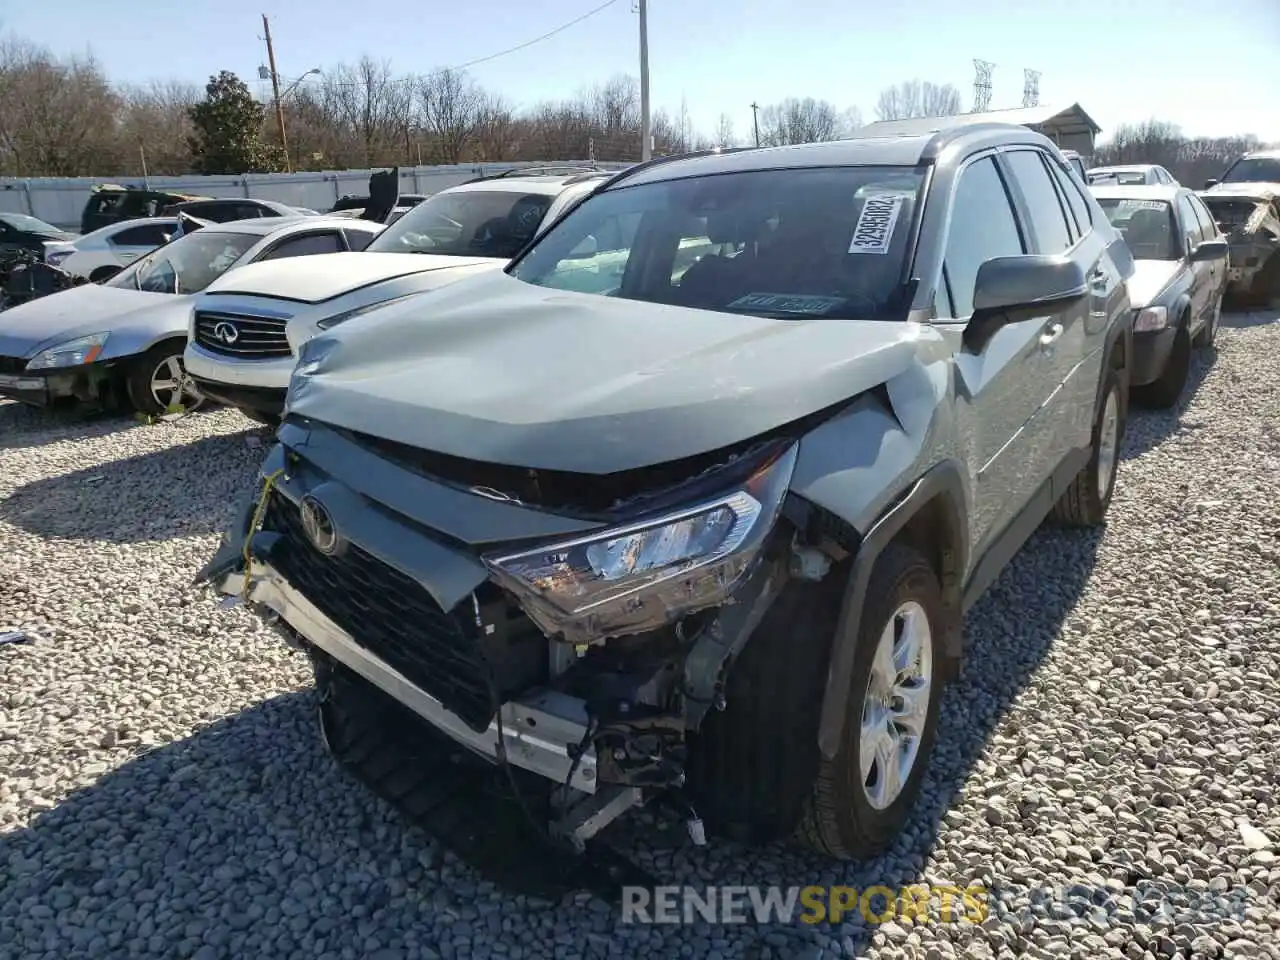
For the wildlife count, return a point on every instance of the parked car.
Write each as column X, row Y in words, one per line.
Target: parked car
column 357, row 204
column 706, row 527
column 1076, row 163
column 122, row 340
column 112, row 203
column 1131, row 174
column 468, row 228
column 108, row 250
column 1260, row 166
column 226, row 209
column 1177, row 286
column 20, row 232
column 1249, row 214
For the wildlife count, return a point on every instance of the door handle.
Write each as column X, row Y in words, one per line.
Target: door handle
column 1098, row 278
column 1051, row 333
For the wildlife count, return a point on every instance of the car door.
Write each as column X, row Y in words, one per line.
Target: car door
column 1066, row 419
column 133, row 242
column 1209, row 231
column 1002, row 383
column 1201, row 273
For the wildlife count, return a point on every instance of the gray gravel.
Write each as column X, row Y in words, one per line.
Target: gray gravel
column 164, row 792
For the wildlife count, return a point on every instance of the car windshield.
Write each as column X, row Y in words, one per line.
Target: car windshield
column 1253, row 170
column 1125, row 178
column 468, row 223
column 188, row 264
column 822, row 242
column 20, row 221
column 1147, row 226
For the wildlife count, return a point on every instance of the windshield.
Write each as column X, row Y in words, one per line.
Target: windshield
column 1147, row 226
column 822, row 242
column 20, row 221
column 1253, row 170
column 188, row 264
column 1125, row 178
column 468, row 223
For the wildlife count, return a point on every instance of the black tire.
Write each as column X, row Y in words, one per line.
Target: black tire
column 839, row 819
column 1207, row 338
column 141, row 373
column 1085, row 502
column 1164, row 392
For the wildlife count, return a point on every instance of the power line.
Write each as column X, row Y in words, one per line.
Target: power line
column 530, row 43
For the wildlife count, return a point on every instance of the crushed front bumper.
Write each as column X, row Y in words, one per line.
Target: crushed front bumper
column 541, row 732
column 47, row 388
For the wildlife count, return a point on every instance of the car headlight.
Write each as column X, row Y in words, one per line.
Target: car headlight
column 346, row 315
column 70, row 353
column 57, row 256
column 640, row 576
column 1151, row 318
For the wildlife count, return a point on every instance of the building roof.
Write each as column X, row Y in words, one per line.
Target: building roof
column 1065, row 121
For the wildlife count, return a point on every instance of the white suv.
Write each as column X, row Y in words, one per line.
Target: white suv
column 245, row 332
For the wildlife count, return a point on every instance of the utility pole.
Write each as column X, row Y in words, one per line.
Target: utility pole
column 275, row 89
column 646, row 127
column 755, row 120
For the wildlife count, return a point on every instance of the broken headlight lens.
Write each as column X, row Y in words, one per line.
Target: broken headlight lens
column 656, row 568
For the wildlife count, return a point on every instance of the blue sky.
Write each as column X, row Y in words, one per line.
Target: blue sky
column 1212, row 68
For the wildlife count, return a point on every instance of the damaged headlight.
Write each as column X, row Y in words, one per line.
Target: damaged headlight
column 646, row 573
column 70, row 353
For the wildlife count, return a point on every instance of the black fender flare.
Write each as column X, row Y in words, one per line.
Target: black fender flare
column 943, row 480
column 1120, row 335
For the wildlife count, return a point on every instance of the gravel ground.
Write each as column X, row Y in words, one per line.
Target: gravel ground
column 165, row 793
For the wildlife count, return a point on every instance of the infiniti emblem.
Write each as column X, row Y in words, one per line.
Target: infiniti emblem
column 317, row 524
column 226, row 332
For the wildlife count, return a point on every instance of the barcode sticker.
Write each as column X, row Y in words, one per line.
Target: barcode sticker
column 1143, row 205
column 875, row 224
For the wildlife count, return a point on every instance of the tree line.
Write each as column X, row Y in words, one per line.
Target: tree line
column 63, row 117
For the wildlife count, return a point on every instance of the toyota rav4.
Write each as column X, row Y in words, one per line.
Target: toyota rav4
column 689, row 500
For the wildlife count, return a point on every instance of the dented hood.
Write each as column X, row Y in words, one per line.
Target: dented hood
column 497, row 370
column 325, row 276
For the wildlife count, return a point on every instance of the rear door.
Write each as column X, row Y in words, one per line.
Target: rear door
column 133, row 242
column 1202, row 273
column 1209, row 231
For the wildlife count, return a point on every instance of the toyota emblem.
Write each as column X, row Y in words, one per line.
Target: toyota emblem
column 317, row 524
column 225, row 332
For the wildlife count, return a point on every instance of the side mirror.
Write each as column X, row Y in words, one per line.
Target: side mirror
column 1012, row 289
column 1212, row 182
column 1206, row 250
column 587, row 249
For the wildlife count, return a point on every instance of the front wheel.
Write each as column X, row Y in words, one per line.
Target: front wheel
column 863, row 796
column 1165, row 391
column 1208, row 335
column 1085, row 502
column 157, row 382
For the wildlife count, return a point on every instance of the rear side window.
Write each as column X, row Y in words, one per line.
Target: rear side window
column 358, row 239
column 149, row 235
column 1208, row 229
column 1191, row 229
column 1048, row 219
column 983, row 227
column 306, row 245
column 1076, row 204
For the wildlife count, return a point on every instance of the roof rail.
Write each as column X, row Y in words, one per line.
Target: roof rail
column 656, row 161
column 541, row 170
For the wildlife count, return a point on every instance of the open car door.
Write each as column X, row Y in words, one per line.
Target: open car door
column 384, row 192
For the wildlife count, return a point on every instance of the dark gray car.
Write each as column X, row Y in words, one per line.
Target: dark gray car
column 688, row 502
column 1180, row 275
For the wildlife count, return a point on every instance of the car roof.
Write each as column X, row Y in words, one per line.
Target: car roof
column 1126, row 167
column 906, row 150
column 252, row 201
column 265, row 225
column 1137, row 191
column 137, row 222
column 1262, row 155
column 547, row 184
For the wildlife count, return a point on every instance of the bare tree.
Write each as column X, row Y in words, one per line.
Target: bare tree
column 453, row 109
column 724, row 131
column 375, row 105
column 798, row 121
column 154, row 124
column 1191, row 161
column 498, row 130
column 916, row 98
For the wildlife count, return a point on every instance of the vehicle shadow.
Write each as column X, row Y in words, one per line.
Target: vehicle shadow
column 1244, row 319
column 1148, row 428
column 1009, row 633
column 137, row 499
column 23, row 427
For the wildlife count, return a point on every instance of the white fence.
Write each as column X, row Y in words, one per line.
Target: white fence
column 60, row 201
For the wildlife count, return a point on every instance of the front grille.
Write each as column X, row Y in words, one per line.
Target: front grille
column 389, row 614
column 240, row 335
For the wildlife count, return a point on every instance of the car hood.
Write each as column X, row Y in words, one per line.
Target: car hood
column 496, row 370
column 1245, row 189
column 323, row 277
column 31, row 327
column 1149, row 278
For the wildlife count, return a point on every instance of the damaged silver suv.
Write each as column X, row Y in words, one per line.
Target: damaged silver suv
column 688, row 501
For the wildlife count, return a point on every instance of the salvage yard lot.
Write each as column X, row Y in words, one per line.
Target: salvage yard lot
column 164, row 791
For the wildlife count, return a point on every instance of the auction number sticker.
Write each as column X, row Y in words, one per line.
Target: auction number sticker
column 802, row 303
column 1143, row 205
column 876, row 222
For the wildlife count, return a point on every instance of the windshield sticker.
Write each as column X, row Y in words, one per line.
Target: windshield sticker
column 1143, row 205
column 786, row 303
column 875, row 224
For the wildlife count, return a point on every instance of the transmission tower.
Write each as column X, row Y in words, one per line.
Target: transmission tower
column 1031, row 88
column 982, row 85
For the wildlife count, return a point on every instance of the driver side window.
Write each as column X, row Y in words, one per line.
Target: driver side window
column 983, row 227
